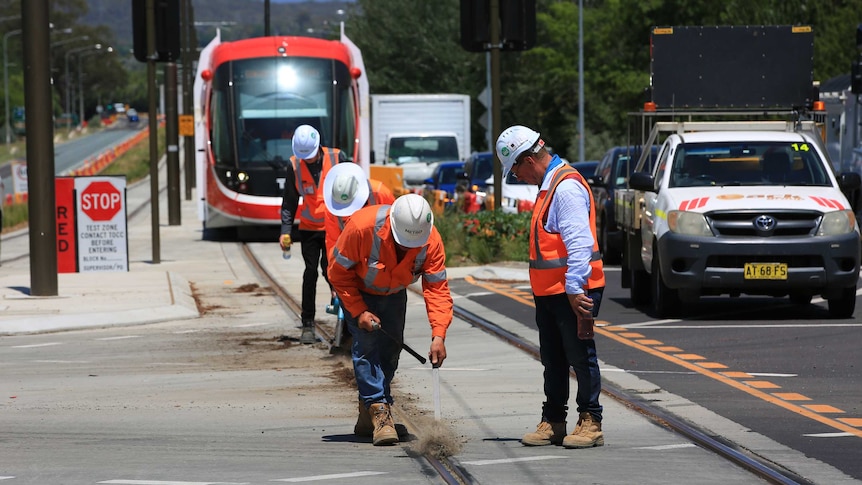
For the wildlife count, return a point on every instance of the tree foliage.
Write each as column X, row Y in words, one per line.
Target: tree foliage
column 413, row 47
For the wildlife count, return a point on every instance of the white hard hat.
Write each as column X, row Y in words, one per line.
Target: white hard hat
column 514, row 141
column 411, row 220
column 306, row 141
column 345, row 189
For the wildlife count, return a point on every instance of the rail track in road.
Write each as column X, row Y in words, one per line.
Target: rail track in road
column 452, row 473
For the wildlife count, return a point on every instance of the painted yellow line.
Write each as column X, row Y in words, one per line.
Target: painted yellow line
column 848, row 425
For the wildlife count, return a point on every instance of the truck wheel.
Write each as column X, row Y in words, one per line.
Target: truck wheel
column 844, row 305
column 640, row 287
column 665, row 301
column 608, row 255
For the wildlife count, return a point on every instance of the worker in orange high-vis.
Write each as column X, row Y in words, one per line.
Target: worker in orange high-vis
column 382, row 250
column 306, row 173
column 567, row 279
column 347, row 189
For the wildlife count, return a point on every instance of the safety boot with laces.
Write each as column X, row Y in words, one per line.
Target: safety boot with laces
column 587, row 434
column 546, row 434
column 364, row 425
column 384, row 427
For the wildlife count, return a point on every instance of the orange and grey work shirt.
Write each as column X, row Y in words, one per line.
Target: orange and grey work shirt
column 364, row 260
column 378, row 194
column 306, row 182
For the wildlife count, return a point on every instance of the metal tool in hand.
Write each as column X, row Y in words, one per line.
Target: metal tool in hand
column 376, row 326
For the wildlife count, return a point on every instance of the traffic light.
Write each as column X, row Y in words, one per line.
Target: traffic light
column 517, row 25
column 167, row 27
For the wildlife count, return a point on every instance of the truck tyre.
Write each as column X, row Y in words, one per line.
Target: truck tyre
column 844, row 305
column 640, row 287
column 665, row 301
column 608, row 255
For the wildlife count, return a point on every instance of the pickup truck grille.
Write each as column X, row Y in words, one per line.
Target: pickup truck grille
column 764, row 223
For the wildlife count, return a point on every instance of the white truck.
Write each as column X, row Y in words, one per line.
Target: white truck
column 741, row 206
column 417, row 131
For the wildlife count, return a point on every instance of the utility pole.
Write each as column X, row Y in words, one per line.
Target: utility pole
column 154, row 129
column 495, row 100
column 40, row 148
column 172, row 135
column 188, row 102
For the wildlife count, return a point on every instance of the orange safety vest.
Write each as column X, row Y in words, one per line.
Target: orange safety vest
column 311, row 217
column 548, row 254
column 378, row 194
column 364, row 260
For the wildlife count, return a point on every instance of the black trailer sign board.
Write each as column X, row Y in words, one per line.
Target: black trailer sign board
column 732, row 67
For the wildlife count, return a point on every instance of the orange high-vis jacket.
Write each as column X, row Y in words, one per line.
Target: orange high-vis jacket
column 311, row 218
column 548, row 253
column 379, row 194
column 364, row 260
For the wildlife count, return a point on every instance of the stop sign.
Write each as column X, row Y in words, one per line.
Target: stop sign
column 101, row 201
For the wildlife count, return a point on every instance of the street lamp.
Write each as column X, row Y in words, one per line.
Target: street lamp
column 68, row 84
column 80, row 84
column 6, row 79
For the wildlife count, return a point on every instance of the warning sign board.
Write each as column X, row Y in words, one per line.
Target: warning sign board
column 187, row 125
column 102, row 241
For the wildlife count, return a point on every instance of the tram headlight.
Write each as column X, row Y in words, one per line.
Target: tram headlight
column 242, row 178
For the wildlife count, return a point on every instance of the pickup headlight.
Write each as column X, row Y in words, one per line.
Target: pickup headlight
column 689, row 223
column 838, row 222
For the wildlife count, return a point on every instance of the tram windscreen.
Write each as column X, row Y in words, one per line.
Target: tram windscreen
column 260, row 102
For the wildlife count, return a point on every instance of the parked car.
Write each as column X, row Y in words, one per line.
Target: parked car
column 612, row 172
column 587, row 169
column 478, row 177
column 444, row 177
column 132, row 115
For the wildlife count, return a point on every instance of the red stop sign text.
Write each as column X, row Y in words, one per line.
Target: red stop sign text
column 101, row 201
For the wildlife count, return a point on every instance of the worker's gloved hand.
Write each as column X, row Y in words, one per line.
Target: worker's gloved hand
column 285, row 241
column 368, row 321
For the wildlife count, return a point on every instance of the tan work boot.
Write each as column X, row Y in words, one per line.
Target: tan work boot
column 384, row 428
column 587, row 434
column 546, row 434
column 364, row 425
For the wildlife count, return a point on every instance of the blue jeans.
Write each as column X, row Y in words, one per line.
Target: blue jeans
column 375, row 354
column 560, row 348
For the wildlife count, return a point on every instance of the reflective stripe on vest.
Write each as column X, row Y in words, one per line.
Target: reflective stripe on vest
column 547, row 268
column 313, row 210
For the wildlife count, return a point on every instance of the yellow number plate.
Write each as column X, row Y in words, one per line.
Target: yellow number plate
column 766, row 271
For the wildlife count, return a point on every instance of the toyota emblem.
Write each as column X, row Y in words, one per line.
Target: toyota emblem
column 764, row 223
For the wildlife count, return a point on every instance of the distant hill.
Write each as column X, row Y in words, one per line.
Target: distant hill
column 246, row 18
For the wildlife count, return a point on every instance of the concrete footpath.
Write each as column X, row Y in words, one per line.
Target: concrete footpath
column 491, row 394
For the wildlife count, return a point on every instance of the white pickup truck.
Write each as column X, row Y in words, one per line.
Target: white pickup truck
column 745, row 207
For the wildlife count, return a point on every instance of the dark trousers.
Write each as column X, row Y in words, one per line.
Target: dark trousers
column 313, row 245
column 560, row 348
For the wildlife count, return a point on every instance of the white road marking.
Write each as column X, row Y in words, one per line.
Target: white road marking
column 36, row 345
column 512, row 460
column 771, row 374
column 452, row 369
column 770, row 325
column 478, row 293
column 667, row 447
column 828, row 435
column 247, row 325
column 119, row 338
column 328, row 477
column 169, row 482
column 6, row 478
column 62, row 361
column 186, row 331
